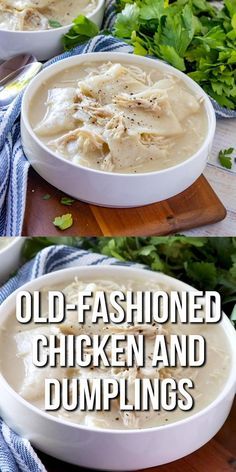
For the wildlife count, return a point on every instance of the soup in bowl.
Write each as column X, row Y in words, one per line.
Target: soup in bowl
column 34, row 15
column 37, row 27
column 122, row 130
column 119, row 440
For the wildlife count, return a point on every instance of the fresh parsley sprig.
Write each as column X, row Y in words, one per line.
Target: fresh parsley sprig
column 191, row 35
column 205, row 263
column 82, row 30
column 225, row 157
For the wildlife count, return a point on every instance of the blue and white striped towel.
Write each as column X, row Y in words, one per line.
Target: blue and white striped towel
column 16, row 454
column 13, row 163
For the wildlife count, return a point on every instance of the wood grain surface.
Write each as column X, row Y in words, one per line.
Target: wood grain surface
column 218, row 455
column 196, row 206
column 222, row 180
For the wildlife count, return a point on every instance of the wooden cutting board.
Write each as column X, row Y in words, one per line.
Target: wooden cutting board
column 195, row 207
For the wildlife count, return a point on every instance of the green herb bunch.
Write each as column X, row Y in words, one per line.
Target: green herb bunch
column 205, row 263
column 191, row 35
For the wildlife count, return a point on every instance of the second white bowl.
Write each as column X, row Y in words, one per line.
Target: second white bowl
column 43, row 44
column 10, row 257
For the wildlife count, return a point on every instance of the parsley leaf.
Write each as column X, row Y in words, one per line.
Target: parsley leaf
column 67, row 201
column 169, row 54
column 225, row 157
column 47, row 196
column 204, row 273
column 151, row 10
column 178, row 31
column 82, row 30
column 127, row 21
column 63, row 222
column 54, row 24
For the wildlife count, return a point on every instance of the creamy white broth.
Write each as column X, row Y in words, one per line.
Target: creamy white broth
column 24, row 15
column 119, row 118
column 16, row 366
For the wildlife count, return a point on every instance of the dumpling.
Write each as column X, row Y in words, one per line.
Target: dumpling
column 129, row 149
column 182, row 102
column 32, row 387
column 149, row 112
column 61, row 106
column 109, row 83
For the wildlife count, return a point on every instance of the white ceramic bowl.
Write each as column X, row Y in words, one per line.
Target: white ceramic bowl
column 108, row 449
column 10, row 257
column 43, row 44
column 106, row 188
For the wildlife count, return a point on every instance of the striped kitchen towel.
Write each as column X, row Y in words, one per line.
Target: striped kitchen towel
column 13, row 163
column 16, row 453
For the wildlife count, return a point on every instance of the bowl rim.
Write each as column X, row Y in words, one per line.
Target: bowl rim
column 14, row 241
column 226, row 326
column 61, row 29
column 122, row 56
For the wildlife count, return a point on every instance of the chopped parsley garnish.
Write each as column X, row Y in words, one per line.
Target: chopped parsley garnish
column 47, row 196
column 63, row 222
column 67, row 201
column 55, row 24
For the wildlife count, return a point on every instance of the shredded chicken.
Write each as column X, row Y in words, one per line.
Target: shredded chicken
column 155, row 102
column 82, row 140
column 145, row 329
column 131, row 120
column 33, row 19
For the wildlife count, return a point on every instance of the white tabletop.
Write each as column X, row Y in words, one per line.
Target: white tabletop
column 222, row 180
